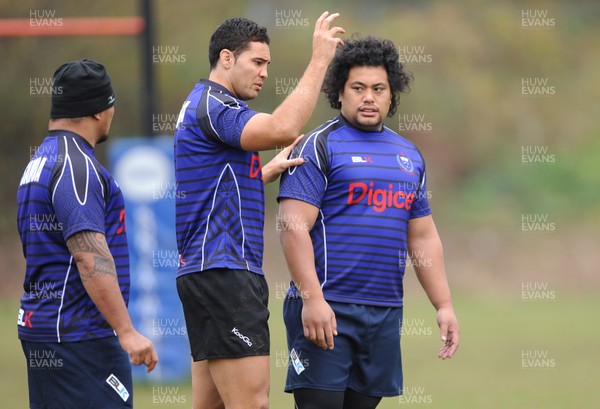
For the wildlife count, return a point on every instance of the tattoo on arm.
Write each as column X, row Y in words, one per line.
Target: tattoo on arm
column 94, row 244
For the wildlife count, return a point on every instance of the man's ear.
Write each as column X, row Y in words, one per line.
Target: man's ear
column 227, row 58
column 98, row 116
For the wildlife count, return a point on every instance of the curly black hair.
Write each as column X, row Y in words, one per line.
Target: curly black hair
column 371, row 52
column 235, row 34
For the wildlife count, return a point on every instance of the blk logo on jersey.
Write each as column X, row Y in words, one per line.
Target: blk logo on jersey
column 379, row 199
column 362, row 159
column 24, row 318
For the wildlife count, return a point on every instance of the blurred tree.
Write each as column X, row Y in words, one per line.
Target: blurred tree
column 468, row 111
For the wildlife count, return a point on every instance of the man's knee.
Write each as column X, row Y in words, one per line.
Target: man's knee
column 255, row 402
column 262, row 402
column 208, row 405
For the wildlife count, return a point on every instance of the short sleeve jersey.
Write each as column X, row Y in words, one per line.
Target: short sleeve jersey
column 220, row 193
column 63, row 191
column 368, row 186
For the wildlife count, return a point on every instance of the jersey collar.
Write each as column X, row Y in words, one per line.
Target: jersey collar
column 78, row 138
column 217, row 86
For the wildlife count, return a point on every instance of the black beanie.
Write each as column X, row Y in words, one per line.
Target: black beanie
column 82, row 88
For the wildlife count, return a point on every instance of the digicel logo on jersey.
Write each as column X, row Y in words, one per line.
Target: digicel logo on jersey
column 379, row 199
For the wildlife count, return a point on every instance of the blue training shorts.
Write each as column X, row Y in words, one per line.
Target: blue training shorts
column 86, row 374
column 366, row 356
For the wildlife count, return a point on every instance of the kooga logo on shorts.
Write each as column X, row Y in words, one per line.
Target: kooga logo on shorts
column 242, row 337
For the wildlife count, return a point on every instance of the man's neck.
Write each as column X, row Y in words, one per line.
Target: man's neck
column 219, row 78
column 80, row 129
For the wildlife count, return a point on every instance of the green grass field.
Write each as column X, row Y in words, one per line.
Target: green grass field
column 514, row 354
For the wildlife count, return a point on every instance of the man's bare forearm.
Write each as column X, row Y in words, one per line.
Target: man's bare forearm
column 99, row 277
column 295, row 111
column 426, row 251
column 299, row 254
column 428, row 261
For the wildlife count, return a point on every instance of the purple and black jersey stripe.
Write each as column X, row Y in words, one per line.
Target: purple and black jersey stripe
column 367, row 185
column 220, row 194
column 64, row 190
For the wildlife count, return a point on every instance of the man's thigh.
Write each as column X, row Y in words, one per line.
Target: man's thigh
column 204, row 390
column 242, row 382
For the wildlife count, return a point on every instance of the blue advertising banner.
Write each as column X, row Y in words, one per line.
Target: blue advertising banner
column 143, row 168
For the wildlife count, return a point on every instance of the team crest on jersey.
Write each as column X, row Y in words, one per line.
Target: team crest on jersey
column 405, row 164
